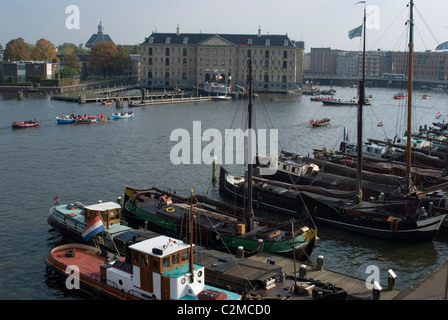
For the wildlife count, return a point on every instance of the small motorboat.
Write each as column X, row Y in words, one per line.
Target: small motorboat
column 108, row 102
column 26, row 124
column 399, row 96
column 320, row 123
column 65, row 119
column 425, row 96
column 122, row 115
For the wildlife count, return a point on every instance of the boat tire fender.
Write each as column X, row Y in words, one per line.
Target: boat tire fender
column 170, row 209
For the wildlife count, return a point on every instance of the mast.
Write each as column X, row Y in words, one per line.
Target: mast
column 250, row 159
column 361, row 94
column 191, row 238
column 410, row 77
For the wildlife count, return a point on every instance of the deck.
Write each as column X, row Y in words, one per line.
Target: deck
column 356, row 288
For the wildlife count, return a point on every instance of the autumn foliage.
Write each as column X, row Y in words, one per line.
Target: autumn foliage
column 108, row 59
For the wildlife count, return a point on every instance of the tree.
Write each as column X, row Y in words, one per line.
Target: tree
column 44, row 50
column 107, row 58
column 17, row 50
column 68, row 72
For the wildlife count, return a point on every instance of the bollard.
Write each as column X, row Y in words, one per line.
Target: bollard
column 391, row 279
column 240, row 252
column 260, row 246
column 320, row 263
column 376, row 291
column 119, row 200
column 302, row 271
column 215, row 167
column 20, row 95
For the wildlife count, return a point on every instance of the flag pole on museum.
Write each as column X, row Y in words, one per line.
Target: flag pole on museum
column 357, row 32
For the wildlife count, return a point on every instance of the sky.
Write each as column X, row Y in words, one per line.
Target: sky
column 319, row 23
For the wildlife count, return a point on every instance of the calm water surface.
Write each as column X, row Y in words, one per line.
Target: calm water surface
column 91, row 162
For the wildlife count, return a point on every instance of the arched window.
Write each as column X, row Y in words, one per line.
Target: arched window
column 150, row 75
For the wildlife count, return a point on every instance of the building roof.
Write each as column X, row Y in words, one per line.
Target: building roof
column 232, row 39
column 97, row 38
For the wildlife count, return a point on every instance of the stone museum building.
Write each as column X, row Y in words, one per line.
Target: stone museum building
column 186, row 60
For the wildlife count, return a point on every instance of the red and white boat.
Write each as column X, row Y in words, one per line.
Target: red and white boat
column 155, row 269
column 399, row 96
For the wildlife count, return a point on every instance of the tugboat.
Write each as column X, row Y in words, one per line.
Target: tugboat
column 156, row 269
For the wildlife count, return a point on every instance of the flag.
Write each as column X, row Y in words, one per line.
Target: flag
column 442, row 46
column 438, row 115
column 345, row 134
column 93, row 228
column 56, row 200
column 380, row 124
column 357, row 32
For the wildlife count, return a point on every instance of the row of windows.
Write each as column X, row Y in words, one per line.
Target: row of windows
column 215, row 62
column 168, row 51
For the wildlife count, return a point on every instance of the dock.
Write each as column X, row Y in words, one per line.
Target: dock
column 356, row 288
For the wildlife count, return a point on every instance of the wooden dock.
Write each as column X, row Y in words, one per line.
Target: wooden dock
column 356, row 288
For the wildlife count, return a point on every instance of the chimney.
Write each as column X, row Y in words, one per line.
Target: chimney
column 259, row 32
column 178, row 30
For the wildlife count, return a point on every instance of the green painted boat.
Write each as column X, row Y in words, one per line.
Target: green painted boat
column 223, row 228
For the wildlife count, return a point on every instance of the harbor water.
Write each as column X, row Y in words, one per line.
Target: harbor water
column 95, row 162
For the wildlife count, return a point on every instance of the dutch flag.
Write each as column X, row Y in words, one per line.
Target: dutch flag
column 438, row 115
column 95, row 226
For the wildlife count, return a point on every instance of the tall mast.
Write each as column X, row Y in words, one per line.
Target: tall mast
column 191, row 238
column 360, row 104
column 250, row 160
column 410, row 76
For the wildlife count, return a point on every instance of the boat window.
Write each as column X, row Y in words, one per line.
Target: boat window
column 175, row 258
column 185, row 255
column 145, row 260
column 136, row 256
column 166, row 262
column 156, row 264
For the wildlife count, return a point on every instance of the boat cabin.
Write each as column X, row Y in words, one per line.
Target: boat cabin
column 110, row 212
column 158, row 268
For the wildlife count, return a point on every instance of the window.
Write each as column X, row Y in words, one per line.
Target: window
column 268, row 42
column 167, row 52
column 185, row 40
column 166, row 263
column 168, row 40
column 285, row 54
column 175, row 258
column 185, row 52
column 149, row 75
column 167, row 61
column 266, row 54
column 150, row 51
column 150, row 61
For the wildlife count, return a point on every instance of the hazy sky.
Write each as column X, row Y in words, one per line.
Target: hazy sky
column 320, row 23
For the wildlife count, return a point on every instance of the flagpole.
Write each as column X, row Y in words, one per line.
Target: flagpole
column 110, row 236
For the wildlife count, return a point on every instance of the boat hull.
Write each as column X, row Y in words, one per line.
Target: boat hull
column 346, row 217
column 216, row 234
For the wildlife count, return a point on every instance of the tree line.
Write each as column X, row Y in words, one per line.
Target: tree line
column 106, row 58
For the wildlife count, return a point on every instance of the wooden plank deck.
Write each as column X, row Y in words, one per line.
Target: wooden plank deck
column 356, row 288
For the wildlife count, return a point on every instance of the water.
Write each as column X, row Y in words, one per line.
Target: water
column 91, row 162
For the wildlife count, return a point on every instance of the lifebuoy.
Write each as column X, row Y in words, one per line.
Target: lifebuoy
column 170, row 209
